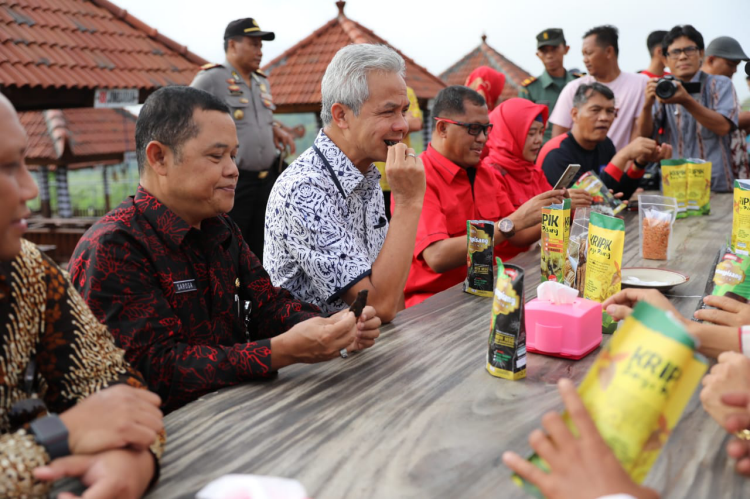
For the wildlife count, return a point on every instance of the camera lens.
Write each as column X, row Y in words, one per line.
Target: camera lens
column 665, row 89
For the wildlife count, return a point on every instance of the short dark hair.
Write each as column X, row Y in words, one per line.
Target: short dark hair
column 226, row 42
column 606, row 36
column 167, row 117
column 586, row 91
column 450, row 100
column 680, row 31
column 654, row 40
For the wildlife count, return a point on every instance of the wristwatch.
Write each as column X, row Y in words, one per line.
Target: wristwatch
column 507, row 228
column 52, row 434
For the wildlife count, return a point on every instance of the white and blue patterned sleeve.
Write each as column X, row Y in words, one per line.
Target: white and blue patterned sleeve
column 320, row 240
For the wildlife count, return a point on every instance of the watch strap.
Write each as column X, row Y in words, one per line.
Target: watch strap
column 510, row 233
column 52, row 434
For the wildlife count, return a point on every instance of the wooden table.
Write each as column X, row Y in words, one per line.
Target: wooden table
column 419, row 416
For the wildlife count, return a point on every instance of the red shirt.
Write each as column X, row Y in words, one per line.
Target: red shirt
column 448, row 203
column 652, row 75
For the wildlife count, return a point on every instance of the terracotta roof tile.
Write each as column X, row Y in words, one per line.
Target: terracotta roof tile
column 296, row 74
column 484, row 55
column 86, row 44
column 91, row 135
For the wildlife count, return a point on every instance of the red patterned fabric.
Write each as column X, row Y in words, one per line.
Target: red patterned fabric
column 185, row 343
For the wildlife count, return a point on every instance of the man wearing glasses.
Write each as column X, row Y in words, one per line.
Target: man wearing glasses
column 698, row 125
column 461, row 188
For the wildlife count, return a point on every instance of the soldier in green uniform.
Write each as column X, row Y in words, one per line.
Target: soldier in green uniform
column 241, row 84
column 551, row 49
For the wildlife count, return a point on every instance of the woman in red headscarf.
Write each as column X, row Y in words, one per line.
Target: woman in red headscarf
column 512, row 148
column 488, row 83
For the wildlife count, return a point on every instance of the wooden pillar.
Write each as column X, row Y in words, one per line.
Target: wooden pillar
column 64, row 208
column 105, row 183
column 42, row 175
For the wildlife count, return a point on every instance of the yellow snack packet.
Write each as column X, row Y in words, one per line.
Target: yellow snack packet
column 637, row 389
column 606, row 242
column 555, row 236
column 741, row 218
column 674, row 183
column 698, row 200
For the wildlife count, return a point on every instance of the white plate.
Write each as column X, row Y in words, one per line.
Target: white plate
column 644, row 277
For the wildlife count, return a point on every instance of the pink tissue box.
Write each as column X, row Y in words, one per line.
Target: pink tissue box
column 572, row 331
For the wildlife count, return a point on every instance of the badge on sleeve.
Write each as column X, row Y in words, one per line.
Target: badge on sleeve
column 243, row 100
column 239, row 114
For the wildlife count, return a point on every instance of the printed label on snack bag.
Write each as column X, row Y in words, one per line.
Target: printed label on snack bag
column 606, row 242
column 741, row 217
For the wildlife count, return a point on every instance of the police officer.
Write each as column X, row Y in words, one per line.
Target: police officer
column 551, row 49
column 246, row 91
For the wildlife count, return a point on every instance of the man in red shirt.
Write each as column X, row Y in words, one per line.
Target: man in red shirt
column 657, row 65
column 459, row 188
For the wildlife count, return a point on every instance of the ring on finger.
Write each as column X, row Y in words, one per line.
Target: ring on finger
column 412, row 155
column 344, row 354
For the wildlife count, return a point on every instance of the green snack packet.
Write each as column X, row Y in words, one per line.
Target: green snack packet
column 730, row 277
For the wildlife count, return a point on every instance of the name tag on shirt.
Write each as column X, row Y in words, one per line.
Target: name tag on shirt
column 185, row 286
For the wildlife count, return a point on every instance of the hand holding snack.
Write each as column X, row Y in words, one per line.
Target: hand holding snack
column 530, row 213
column 580, row 198
column 580, row 468
column 739, row 449
column 368, row 330
column 728, row 311
column 314, row 340
column 620, row 305
column 731, row 374
column 406, row 176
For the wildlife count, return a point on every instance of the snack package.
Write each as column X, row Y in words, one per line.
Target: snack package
column 656, row 216
column 698, row 200
column 741, row 218
column 591, row 183
column 480, row 235
column 555, row 235
column 674, row 183
column 574, row 270
column 506, row 354
column 637, row 389
column 730, row 277
column 604, row 262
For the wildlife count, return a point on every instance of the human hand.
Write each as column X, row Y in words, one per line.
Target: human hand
column 368, row 330
column 113, row 418
column 679, row 96
column 738, row 449
column 621, row 304
column 730, row 312
column 580, row 198
column 580, row 468
column 650, row 94
column 642, row 150
column 121, row 473
column 314, row 340
column 406, row 176
column 530, row 213
column 282, row 140
column 731, row 374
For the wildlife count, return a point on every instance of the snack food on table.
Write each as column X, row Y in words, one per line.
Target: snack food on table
column 741, row 217
column 555, row 235
column 506, row 354
column 606, row 241
column 480, row 235
column 574, row 269
column 656, row 215
column 607, row 202
column 674, row 183
column 698, row 200
column 730, row 277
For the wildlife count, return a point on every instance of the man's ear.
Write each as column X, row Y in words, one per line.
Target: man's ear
column 574, row 114
column 566, row 50
column 340, row 114
column 157, row 155
column 610, row 51
column 441, row 128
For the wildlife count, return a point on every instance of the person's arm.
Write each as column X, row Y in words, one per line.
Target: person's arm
column 723, row 118
column 645, row 121
column 627, row 166
column 744, row 121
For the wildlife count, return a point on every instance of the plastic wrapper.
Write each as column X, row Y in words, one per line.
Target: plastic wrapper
column 506, row 353
column 741, row 217
column 656, row 215
column 555, row 235
column 480, row 236
column 607, row 203
column 604, row 262
column 574, row 270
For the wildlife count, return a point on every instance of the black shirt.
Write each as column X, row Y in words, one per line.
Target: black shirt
column 563, row 150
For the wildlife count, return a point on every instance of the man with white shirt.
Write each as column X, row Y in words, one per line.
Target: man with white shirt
column 600, row 52
column 327, row 237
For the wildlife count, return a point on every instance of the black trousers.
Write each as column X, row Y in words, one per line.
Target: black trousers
column 249, row 212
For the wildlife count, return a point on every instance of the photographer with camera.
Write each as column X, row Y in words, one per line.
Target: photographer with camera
column 693, row 111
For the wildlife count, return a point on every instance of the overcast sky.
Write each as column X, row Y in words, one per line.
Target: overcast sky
column 437, row 33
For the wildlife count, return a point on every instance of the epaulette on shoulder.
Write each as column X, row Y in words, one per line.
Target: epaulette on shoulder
column 210, row 65
column 528, row 81
column 577, row 75
column 261, row 73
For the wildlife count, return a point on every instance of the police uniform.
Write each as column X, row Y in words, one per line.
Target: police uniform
column 545, row 89
column 252, row 108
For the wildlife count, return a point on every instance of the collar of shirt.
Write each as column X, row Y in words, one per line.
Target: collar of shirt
column 171, row 228
column 546, row 79
column 485, row 185
column 349, row 177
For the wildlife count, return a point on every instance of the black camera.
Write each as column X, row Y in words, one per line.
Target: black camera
column 666, row 87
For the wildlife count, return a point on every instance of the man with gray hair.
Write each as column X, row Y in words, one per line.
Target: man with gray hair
column 327, row 237
column 588, row 145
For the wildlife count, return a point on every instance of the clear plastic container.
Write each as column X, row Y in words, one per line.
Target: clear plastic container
column 656, row 216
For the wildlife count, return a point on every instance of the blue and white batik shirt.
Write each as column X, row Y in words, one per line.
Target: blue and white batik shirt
column 325, row 226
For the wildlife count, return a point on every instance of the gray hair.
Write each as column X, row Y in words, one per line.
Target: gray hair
column 345, row 79
column 585, row 92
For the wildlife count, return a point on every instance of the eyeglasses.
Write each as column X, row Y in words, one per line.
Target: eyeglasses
column 688, row 51
column 473, row 129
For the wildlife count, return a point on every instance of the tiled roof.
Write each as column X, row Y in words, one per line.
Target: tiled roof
column 484, row 55
column 86, row 44
column 78, row 137
column 296, row 74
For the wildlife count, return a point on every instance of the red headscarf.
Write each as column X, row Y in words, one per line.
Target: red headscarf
column 488, row 82
column 512, row 120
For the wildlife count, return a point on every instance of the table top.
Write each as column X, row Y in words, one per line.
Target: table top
column 419, row 416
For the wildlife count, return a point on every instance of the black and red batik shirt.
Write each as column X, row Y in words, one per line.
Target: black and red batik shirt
column 171, row 294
